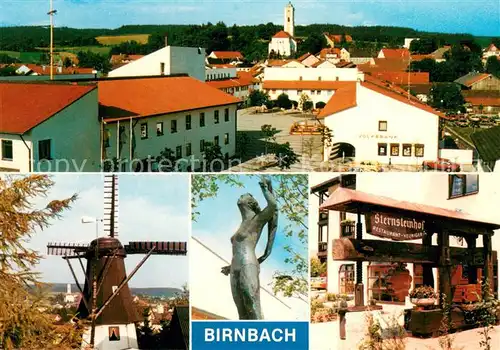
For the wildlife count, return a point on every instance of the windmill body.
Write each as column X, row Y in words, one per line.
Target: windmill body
column 106, row 301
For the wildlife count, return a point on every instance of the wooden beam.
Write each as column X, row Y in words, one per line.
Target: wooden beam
column 388, row 251
column 427, row 275
column 444, row 266
column 471, row 247
column 488, row 260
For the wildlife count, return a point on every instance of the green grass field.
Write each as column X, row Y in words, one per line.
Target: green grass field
column 102, row 50
column 24, row 57
column 118, row 39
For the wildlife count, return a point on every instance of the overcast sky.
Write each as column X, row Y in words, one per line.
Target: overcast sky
column 151, row 207
column 479, row 17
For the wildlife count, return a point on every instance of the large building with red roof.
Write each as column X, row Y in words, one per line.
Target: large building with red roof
column 375, row 121
column 49, row 127
column 147, row 115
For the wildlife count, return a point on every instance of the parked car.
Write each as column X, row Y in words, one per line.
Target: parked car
column 441, row 164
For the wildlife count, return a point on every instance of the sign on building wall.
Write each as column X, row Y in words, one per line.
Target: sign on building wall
column 395, row 227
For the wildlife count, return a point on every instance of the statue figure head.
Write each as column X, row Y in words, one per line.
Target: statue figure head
column 248, row 205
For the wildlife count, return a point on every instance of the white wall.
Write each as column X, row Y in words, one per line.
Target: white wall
column 153, row 144
column 358, row 126
column 20, row 153
column 461, row 156
column 210, row 290
column 326, row 74
column 189, row 60
column 283, row 46
column 75, row 137
column 219, row 73
column 128, row 338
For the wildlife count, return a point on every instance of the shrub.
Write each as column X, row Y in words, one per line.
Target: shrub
column 320, row 104
column 295, row 104
column 283, row 101
column 422, row 292
column 307, row 106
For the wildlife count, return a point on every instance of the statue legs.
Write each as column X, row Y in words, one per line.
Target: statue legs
column 245, row 287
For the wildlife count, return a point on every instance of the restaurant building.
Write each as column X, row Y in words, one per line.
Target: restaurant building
column 383, row 235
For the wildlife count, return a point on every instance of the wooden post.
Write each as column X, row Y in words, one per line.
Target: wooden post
column 444, row 266
column 359, row 290
column 488, row 260
column 428, row 276
column 471, row 247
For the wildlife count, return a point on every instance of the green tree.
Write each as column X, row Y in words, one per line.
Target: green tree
column 292, row 197
column 493, row 66
column 268, row 131
column 166, row 160
column 257, row 98
column 212, row 155
column 313, row 44
column 283, row 101
column 89, row 59
column 21, row 294
column 8, row 71
column 286, row 155
column 67, row 62
column 423, row 46
column 446, row 96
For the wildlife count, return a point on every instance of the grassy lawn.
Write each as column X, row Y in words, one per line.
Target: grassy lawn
column 117, row 39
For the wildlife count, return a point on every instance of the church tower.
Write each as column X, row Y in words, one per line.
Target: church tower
column 289, row 26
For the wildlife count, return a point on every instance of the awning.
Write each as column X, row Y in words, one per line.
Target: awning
column 351, row 201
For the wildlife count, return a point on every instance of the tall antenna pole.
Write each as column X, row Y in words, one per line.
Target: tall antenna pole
column 51, row 13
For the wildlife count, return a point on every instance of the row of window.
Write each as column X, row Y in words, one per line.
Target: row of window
column 44, row 150
column 395, row 149
column 310, row 92
column 203, row 143
column 218, row 76
column 173, row 124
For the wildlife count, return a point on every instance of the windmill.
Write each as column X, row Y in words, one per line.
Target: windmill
column 106, row 298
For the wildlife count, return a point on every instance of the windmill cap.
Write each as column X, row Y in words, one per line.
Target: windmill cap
column 107, row 246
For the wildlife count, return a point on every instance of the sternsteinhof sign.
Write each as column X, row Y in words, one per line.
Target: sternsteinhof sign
column 395, row 227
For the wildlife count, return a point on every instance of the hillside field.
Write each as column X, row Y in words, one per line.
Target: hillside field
column 118, row 39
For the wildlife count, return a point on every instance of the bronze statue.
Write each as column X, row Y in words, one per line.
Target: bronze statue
column 245, row 267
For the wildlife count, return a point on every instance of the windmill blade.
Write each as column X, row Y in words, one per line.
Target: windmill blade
column 111, row 205
column 66, row 249
column 162, row 248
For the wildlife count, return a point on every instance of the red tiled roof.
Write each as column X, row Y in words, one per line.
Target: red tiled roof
column 303, row 57
column 384, row 65
column 343, row 98
column 24, row 106
column 243, row 79
column 396, row 53
column 282, row 35
column 403, row 77
column 227, row 54
column 329, row 51
column 421, row 57
column 337, row 38
column 154, row 96
column 221, row 65
column 45, row 70
column 277, row 63
column 397, row 93
column 342, row 197
column 475, row 79
column 304, row 85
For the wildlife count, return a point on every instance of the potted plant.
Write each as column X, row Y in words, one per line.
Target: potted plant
column 423, row 296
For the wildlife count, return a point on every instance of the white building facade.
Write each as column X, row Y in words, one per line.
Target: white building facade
column 166, row 61
column 474, row 194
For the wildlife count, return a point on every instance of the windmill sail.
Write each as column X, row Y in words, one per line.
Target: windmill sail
column 66, row 249
column 111, row 205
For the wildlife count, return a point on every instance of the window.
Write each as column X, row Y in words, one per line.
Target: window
column 144, row 130
column 226, row 115
column 319, row 78
column 178, row 152
column 188, row 149
column 173, row 126
column 162, row 68
column 463, row 185
column 388, row 282
column 382, row 125
column 300, row 78
column 159, row 128
column 216, row 140
column 44, row 150
column 394, row 149
column 114, row 333
column 202, row 120
column 406, row 150
column 419, row 150
column 299, row 92
column 202, row 145
column 188, row 122
column 382, row 149
column 226, row 138
column 346, row 278
column 7, row 150
column 216, row 117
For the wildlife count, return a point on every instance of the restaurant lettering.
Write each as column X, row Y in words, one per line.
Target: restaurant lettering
column 395, row 227
column 377, row 136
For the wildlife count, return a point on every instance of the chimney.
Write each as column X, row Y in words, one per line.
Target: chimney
column 166, row 43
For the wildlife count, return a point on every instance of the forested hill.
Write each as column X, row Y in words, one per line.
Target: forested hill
column 27, row 38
